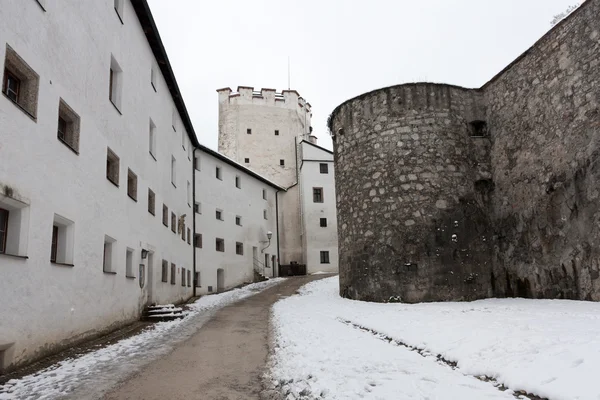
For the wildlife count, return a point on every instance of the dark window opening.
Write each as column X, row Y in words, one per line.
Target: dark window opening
column 11, row 86
column 282, row 162
column 246, row 160
column 324, row 257
column 239, row 248
column 54, row 248
column 478, row 128
column 276, row 132
column 220, row 245
column 323, row 222
column 324, row 168
column 317, row 195
column 3, row 229
column 249, row 131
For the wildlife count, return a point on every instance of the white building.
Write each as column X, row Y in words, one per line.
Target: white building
column 268, row 132
column 318, row 202
column 97, row 179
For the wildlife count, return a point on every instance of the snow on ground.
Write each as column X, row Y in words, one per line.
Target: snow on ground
column 94, row 373
column 550, row 348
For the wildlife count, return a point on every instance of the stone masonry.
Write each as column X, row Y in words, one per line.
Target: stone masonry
column 446, row 193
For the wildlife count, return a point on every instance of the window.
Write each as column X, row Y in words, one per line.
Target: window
column 265, row 214
column 317, row 195
column 282, row 162
column 131, row 185
column 219, row 214
column 198, row 240
column 129, row 263
column 218, row 173
column 173, row 273
column 189, row 278
column 182, row 276
column 198, row 208
column 165, row 271
column 189, row 193
column 324, row 168
column 14, row 225
column 173, row 222
column 220, row 245
column 153, row 77
column 238, row 220
column 165, row 215
column 238, row 182
column 107, row 262
column 173, row 171
column 276, row 132
column 68, row 126
column 151, row 202
column 152, row 139
column 247, row 160
column 63, row 235
column 115, row 84
column 478, row 128
column 20, row 83
column 112, row 167
column 174, row 119
column 3, row 229
column 197, row 279
column 249, row 131
column 189, row 236
column 181, row 228
column 119, row 9
column 197, row 163
column 239, row 248
column 324, row 257
column 264, row 193
column 323, row 222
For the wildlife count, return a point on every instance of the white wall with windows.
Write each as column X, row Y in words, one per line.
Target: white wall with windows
column 319, row 212
column 234, row 212
column 71, row 239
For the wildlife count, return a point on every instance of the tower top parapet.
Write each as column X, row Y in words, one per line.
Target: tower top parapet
column 269, row 97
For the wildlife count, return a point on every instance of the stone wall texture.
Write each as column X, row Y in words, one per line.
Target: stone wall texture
column 429, row 210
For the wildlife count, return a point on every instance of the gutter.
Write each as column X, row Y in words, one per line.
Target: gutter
column 277, row 229
column 194, row 282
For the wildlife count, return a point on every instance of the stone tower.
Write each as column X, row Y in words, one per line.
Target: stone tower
column 260, row 130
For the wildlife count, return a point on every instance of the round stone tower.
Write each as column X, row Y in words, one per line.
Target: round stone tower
column 412, row 182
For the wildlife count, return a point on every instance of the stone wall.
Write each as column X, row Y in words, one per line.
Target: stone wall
column 412, row 205
column 545, row 125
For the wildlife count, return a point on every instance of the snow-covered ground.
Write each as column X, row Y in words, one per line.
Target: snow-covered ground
column 92, row 374
column 550, row 348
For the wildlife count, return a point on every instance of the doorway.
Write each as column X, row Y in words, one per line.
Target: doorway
column 220, row 280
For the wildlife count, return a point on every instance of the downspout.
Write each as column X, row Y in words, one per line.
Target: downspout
column 277, row 229
column 194, row 220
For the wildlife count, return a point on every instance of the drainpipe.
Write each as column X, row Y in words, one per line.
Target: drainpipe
column 194, row 220
column 277, row 231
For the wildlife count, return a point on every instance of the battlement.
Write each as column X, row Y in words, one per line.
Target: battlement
column 269, row 97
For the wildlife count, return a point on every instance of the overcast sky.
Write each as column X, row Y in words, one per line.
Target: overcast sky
column 339, row 48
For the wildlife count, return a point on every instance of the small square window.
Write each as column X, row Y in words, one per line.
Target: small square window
column 129, row 263
column 239, row 248
column 324, row 257
column 173, row 222
column 189, row 236
column 20, row 83
column 276, row 132
column 112, row 167
column 265, row 214
column 238, row 220
column 165, row 215
column 478, row 128
column 131, row 185
column 198, row 208
column 317, row 195
column 68, row 126
column 323, row 222
column 324, row 168
column 198, row 240
column 151, row 202
column 165, row 271
column 183, row 272
column 189, row 278
column 219, row 215
column 247, row 160
column 238, row 182
column 220, row 245
column 218, row 173
column 264, row 194
column 282, row 162
column 173, row 273
column 249, row 131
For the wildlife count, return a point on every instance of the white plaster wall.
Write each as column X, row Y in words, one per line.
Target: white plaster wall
column 247, row 202
column 69, row 45
column 316, row 238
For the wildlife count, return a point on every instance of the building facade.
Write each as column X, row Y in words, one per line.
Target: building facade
column 446, row 193
column 268, row 131
column 97, row 180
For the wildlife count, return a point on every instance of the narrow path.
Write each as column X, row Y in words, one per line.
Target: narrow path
column 223, row 360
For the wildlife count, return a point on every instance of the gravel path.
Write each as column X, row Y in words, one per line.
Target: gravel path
column 223, row 360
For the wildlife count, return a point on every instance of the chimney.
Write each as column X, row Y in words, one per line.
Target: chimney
column 312, row 139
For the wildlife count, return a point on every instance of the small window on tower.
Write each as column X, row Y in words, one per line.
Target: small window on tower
column 276, row 132
column 249, row 131
column 247, row 160
column 282, row 162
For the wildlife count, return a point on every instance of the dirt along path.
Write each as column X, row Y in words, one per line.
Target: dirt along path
column 223, row 360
